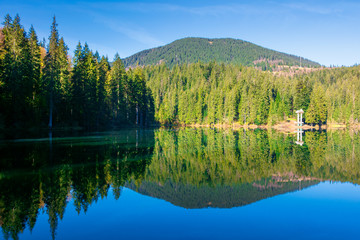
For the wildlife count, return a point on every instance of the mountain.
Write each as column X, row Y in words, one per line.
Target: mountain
column 218, row 196
column 223, row 50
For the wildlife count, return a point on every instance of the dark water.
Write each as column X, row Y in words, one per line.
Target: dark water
column 181, row 184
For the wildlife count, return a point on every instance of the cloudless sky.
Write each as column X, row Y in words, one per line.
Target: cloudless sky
column 325, row 31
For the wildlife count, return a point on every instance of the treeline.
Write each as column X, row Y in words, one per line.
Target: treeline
column 212, row 157
column 212, row 93
column 192, row 167
column 44, row 87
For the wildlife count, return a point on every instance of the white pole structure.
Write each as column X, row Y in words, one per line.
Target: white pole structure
column 299, row 124
column 299, row 140
column 299, row 113
column 297, row 119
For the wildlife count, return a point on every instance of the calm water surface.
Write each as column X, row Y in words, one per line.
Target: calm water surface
column 181, row 184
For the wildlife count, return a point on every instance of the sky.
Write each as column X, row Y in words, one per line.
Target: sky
column 325, row 31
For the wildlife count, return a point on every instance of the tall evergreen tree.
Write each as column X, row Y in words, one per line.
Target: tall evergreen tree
column 35, row 62
column 52, row 71
column 115, row 91
column 90, row 84
column 64, row 108
column 16, row 73
column 102, row 108
column 138, row 95
column 302, row 93
column 77, row 85
column 317, row 112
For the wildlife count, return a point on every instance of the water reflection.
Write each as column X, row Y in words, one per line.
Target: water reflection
column 299, row 136
column 45, row 175
column 191, row 168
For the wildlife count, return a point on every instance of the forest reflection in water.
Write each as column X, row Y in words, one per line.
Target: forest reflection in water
column 191, row 168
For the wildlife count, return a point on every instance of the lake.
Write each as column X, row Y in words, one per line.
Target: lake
column 181, row 184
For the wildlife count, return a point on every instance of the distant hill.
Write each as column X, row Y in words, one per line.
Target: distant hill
column 218, row 196
column 223, row 50
column 1, row 37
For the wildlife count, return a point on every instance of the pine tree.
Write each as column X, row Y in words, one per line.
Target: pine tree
column 302, row 94
column 16, row 73
column 35, row 63
column 77, row 86
column 317, row 111
column 90, row 83
column 321, row 105
column 311, row 114
column 102, row 108
column 64, row 78
column 138, row 95
column 84, row 85
column 52, row 72
column 115, row 92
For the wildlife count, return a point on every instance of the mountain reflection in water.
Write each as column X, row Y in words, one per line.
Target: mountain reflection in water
column 191, row 168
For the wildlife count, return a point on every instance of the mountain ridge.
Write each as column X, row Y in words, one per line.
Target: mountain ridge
column 218, row 196
column 221, row 50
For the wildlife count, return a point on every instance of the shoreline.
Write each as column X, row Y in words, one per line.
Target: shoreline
column 284, row 126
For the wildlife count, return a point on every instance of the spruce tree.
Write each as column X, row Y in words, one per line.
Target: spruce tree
column 77, row 85
column 317, row 111
column 115, row 91
column 16, row 73
column 90, row 76
column 52, row 71
column 64, row 108
column 35, row 62
column 102, row 108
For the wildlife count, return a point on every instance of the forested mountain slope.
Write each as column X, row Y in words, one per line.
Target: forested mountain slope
column 219, row 196
column 205, row 167
column 222, row 50
column 45, row 88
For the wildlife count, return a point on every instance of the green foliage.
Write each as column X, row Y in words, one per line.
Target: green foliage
column 37, row 91
column 129, row 98
column 302, row 93
column 222, row 50
column 73, row 167
column 317, row 112
column 18, row 73
column 207, row 157
column 90, row 94
column 85, row 83
column 188, row 167
column 211, row 93
column 52, row 84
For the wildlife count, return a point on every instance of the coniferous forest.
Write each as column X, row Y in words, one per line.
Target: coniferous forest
column 222, row 50
column 217, row 93
column 42, row 86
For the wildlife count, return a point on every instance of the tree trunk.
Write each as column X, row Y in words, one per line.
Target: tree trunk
column 51, row 111
column 141, row 118
column 137, row 114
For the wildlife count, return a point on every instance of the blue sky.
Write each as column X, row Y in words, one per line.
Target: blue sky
column 324, row 31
